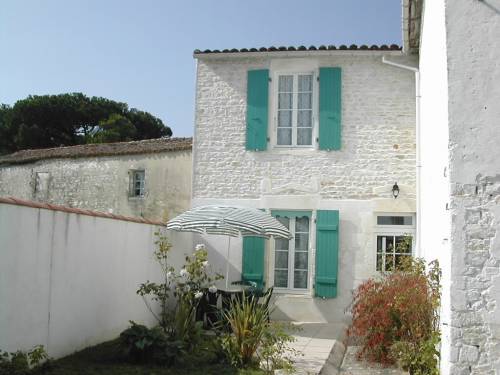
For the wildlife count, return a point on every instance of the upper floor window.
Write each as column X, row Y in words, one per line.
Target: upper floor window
column 137, row 183
column 295, row 110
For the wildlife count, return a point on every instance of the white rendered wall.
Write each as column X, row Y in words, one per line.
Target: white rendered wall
column 102, row 183
column 68, row 281
column 434, row 182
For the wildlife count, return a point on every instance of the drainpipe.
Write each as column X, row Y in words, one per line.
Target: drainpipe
column 417, row 131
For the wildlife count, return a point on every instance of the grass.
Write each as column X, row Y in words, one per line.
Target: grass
column 105, row 359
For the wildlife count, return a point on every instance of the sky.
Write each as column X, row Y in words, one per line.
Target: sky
column 141, row 52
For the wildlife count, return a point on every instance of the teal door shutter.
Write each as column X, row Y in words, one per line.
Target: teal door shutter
column 253, row 260
column 327, row 253
column 330, row 108
column 257, row 109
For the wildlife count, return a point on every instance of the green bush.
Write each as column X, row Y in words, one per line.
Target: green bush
column 142, row 344
column 22, row 362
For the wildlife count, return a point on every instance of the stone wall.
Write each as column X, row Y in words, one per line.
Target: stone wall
column 378, row 132
column 473, row 50
column 102, row 183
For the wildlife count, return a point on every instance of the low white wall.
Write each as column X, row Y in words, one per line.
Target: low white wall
column 68, row 281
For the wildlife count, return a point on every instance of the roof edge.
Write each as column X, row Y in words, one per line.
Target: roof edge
column 71, row 210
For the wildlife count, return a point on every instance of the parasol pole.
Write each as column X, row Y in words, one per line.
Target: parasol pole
column 227, row 261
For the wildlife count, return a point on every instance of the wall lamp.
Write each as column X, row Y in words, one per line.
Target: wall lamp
column 395, row 190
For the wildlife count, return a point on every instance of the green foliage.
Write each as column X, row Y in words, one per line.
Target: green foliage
column 70, row 119
column 142, row 344
column 275, row 351
column 396, row 317
column 116, row 128
column 23, row 363
column 178, row 294
column 253, row 340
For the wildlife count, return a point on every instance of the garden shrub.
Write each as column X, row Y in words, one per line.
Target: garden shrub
column 396, row 319
column 142, row 344
column 24, row 363
column 253, row 340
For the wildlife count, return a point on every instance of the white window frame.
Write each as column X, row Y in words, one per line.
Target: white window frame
column 291, row 261
column 275, row 102
column 395, row 231
column 132, row 185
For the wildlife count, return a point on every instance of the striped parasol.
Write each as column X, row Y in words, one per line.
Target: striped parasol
column 232, row 221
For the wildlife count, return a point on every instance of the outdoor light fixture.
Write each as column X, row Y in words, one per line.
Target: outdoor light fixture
column 395, row 190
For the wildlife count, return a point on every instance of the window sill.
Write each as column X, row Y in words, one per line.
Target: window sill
column 139, row 198
column 292, row 293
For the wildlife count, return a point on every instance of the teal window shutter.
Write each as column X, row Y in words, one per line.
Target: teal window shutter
column 330, row 108
column 253, row 260
column 327, row 253
column 257, row 109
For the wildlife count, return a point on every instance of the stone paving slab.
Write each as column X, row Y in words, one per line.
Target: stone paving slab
column 315, row 342
column 352, row 366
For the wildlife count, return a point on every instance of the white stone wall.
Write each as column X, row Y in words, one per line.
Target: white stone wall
column 378, row 133
column 473, row 47
column 102, row 183
column 68, row 281
column 378, row 148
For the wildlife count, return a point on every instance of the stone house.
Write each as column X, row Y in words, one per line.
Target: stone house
column 318, row 137
column 150, row 178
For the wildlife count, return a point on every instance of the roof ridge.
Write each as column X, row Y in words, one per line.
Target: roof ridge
column 73, row 210
column 342, row 47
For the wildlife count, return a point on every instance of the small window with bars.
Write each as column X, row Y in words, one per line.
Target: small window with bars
column 137, row 183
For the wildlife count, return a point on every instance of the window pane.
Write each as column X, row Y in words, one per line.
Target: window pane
column 301, row 260
column 305, row 83
column 300, row 279
column 304, row 118
column 281, row 278
column 302, row 224
column 403, row 244
column 399, row 260
column 304, row 100
column 285, row 118
column 284, row 136
column 379, row 262
column 379, row 244
column 304, row 136
column 285, row 101
column 389, row 244
column 389, row 262
column 301, row 241
column 394, row 220
column 285, row 84
column 281, row 259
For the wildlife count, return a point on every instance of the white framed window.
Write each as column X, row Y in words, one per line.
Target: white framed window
column 395, row 235
column 291, row 257
column 137, row 183
column 294, row 103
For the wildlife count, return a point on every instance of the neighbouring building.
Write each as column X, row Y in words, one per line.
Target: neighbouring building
column 318, row 137
column 458, row 79
column 150, row 178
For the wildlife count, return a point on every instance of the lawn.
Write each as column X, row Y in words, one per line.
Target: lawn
column 106, row 359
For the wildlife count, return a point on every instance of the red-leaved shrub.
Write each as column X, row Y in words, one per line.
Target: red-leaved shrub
column 398, row 310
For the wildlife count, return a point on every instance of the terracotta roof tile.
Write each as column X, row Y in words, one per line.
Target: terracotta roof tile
column 147, row 146
column 79, row 211
column 352, row 47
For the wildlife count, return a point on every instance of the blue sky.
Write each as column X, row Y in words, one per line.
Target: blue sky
column 140, row 52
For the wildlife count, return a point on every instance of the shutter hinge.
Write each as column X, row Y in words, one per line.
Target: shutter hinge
column 317, row 139
column 317, row 78
column 268, row 139
column 270, row 79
